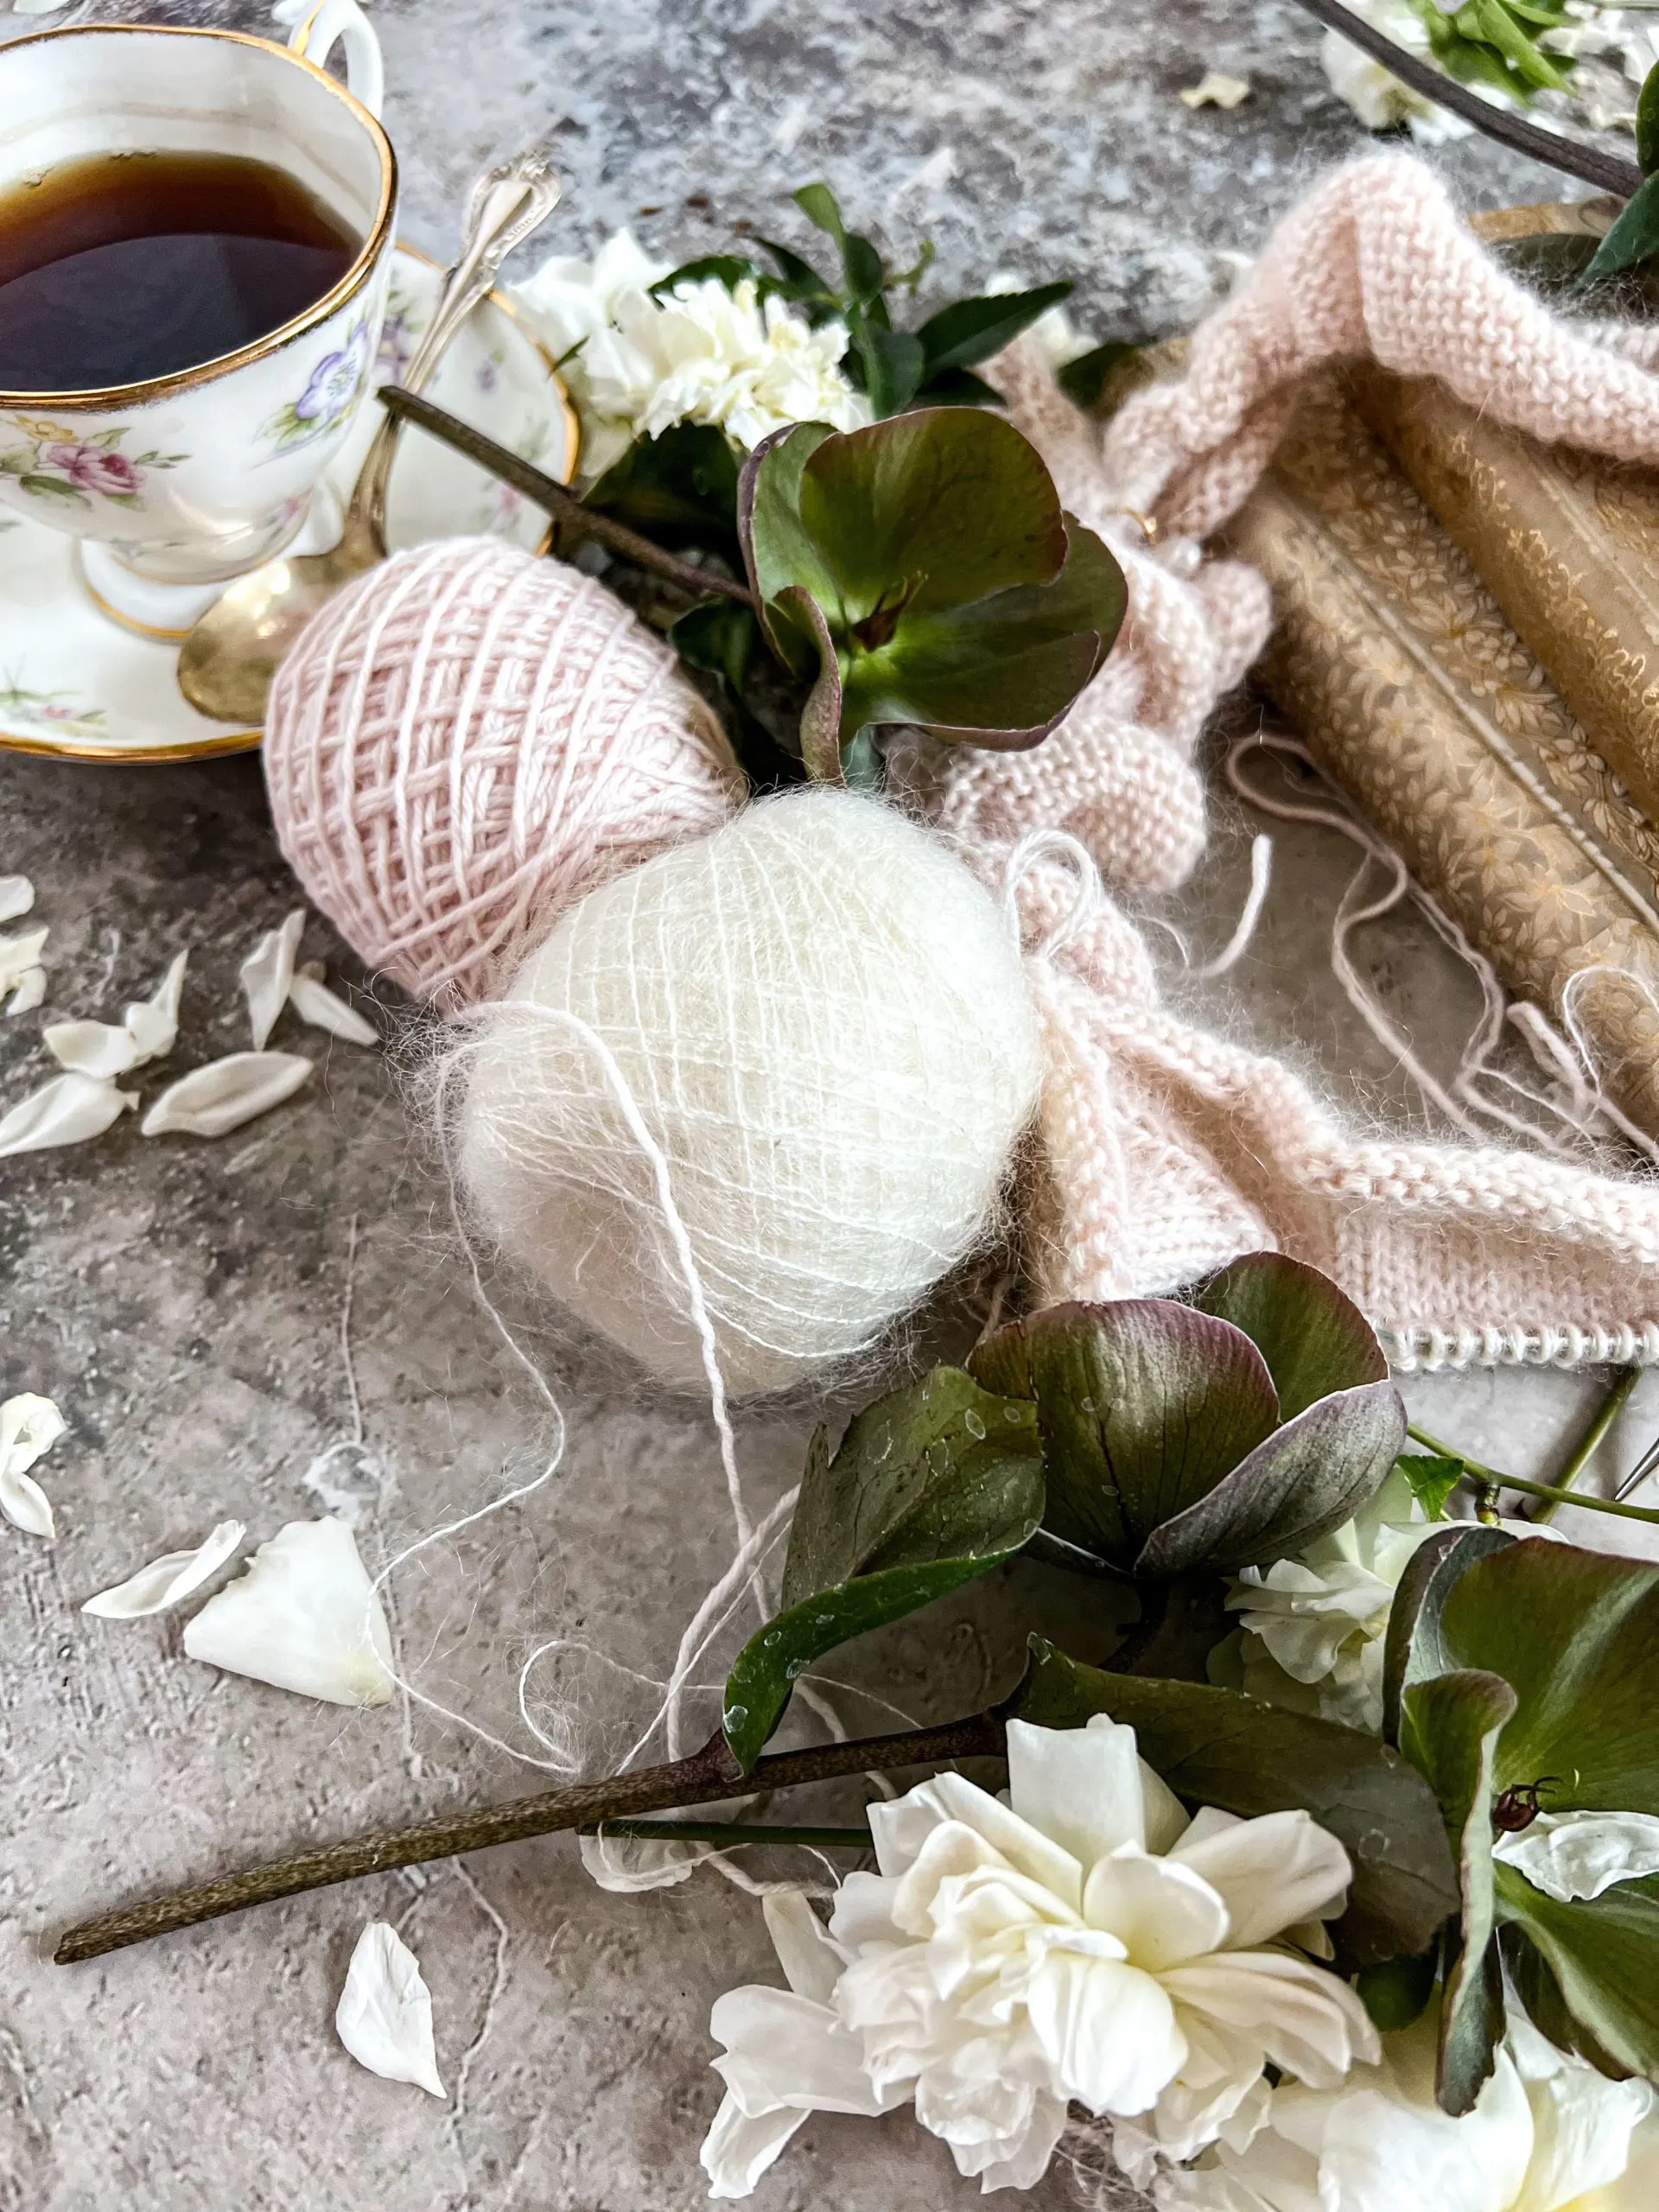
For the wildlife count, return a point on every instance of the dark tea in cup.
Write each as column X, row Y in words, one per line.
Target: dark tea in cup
column 122, row 267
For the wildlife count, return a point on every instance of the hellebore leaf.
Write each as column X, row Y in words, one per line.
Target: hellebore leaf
column 1602, row 1955
column 678, row 488
column 931, row 1486
column 385, row 2013
column 1314, row 1339
column 1634, row 237
column 1449, row 1729
column 1218, row 1747
column 1413, row 1652
column 1144, row 1406
column 953, row 591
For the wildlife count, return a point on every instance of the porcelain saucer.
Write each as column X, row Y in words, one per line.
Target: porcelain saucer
column 73, row 684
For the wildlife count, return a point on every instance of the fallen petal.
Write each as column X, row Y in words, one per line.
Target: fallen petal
column 29, row 1425
column 1217, row 89
column 168, row 1580
column 16, row 897
column 385, row 2013
column 626, row 1865
column 267, row 973
column 31, row 989
column 153, row 1023
column 314, row 1002
column 210, row 1102
column 303, row 1617
column 67, row 1110
column 19, row 953
column 99, row 1049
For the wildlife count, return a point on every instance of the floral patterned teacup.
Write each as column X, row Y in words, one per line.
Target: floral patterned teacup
column 176, row 484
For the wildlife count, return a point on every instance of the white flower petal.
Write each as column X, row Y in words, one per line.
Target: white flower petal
column 102, row 1050
column 1572, row 1856
column 1108, row 2029
column 67, row 1110
column 28, row 992
column 1308, row 2021
column 900, row 1828
column 1159, row 1909
column 627, row 1865
column 314, row 1002
column 782, row 2050
column 385, row 2013
column 1216, row 89
column 737, row 2149
column 267, row 975
column 210, row 1102
column 166, row 1580
column 20, row 957
column 1080, row 1786
column 153, row 1023
column 16, row 897
column 1272, row 1872
column 810, row 1959
column 29, row 1427
column 303, row 1617
column 1582, row 2123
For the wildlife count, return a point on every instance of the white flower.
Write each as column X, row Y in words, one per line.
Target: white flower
column 1084, row 1940
column 29, row 1427
column 702, row 354
column 1376, row 95
column 1547, row 2133
column 1571, row 1856
column 1313, row 1627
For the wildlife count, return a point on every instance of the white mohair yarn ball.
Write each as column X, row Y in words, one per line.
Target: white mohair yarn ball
column 823, row 1022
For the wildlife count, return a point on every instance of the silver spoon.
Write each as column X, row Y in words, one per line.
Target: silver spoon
column 226, row 664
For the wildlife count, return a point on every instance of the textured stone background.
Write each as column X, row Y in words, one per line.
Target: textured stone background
column 185, row 1304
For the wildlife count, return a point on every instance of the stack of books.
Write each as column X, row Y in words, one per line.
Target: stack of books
column 1467, row 641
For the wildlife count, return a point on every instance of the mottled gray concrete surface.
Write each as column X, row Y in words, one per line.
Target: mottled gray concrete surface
column 185, row 1303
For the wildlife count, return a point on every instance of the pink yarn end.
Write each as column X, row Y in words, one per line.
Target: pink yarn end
column 468, row 740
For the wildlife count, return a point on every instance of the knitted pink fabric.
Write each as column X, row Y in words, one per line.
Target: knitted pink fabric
column 468, row 739
column 1169, row 1151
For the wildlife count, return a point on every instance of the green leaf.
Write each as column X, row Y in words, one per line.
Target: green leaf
column 1217, row 1747
column 861, row 263
column 972, row 330
column 909, row 498
column 1647, row 123
column 53, row 487
column 1449, row 1729
column 959, row 388
column 1603, row 1953
column 795, row 612
column 1431, row 1480
column 1540, row 1998
column 801, row 282
column 679, row 489
column 1634, row 237
column 720, row 636
column 730, row 269
column 1576, row 1633
column 778, row 550
column 1144, row 1406
column 931, row 1486
column 1314, row 1339
column 1414, row 1651
column 1084, row 380
column 1397, row 1992
column 893, row 365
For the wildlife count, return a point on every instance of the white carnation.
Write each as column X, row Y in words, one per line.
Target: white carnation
column 701, row 354
column 1083, row 1940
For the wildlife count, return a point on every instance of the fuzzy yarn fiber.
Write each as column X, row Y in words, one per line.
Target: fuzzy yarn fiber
column 823, row 1023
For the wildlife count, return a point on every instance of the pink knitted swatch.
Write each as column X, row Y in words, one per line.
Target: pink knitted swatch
column 464, row 742
column 1169, row 1151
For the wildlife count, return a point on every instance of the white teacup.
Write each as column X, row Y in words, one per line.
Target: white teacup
column 176, row 485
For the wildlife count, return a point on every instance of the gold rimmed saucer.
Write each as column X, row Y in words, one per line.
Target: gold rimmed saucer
column 73, row 684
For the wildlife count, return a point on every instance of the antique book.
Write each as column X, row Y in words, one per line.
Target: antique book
column 1393, row 661
column 1567, row 542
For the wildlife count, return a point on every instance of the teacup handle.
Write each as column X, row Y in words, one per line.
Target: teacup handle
column 342, row 22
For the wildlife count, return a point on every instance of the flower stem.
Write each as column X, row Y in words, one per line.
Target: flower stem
column 571, row 516
column 1606, row 1414
column 732, row 1831
column 1610, row 172
column 1490, row 1478
column 704, row 1778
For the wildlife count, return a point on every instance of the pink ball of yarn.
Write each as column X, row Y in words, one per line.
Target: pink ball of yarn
column 464, row 742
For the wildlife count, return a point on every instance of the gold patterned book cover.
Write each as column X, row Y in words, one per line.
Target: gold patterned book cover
column 1396, row 664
